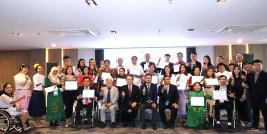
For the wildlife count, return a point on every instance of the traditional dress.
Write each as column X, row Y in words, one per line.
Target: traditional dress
column 196, row 114
column 22, row 85
column 37, row 106
column 55, row 105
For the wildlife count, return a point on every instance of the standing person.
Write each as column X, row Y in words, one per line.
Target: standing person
column 66, row 63
column 231, row 67
column 55, row 105
column 120, row 65
column 206, row 64
column 196, row 73
column 130, row 97
column 136, row 71
column 145, row 64
column 239, row 60
column 85, row 73
column 155, row 76
column 94, row 71
column 148, row 101
column 69, row 96
column 193, row 62
column 165, row 63
column 222, row 71
column 168, row 99
column 182, row 79
column 23, row 84
column 107, row 69
column 237, row 81
column 180, row 57
column 80, row 67
column 109, row 102
column 257, row 82
column 37, row 107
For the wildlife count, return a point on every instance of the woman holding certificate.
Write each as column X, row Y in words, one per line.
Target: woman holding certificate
column 37, row 106
column 196, row 107
column 167, row 72
column 195, row 78
column 107, row 72
column 71, row 87
column 55, row 106
column 182, row 79
column 94, row 71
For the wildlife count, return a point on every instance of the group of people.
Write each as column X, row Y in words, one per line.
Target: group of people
column 168, row 90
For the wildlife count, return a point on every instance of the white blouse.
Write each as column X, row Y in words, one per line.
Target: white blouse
column 38, row 79
column 21, row 82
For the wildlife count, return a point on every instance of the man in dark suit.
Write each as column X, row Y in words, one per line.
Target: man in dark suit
column 145, row 64
column 84, row 102
column 228, row 104
column 257, row 83
column 168, row 99
column 148, row 101
column 130, row 97
column 193, row 63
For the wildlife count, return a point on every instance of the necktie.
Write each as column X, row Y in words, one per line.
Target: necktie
column 148, row 88
column 130, row 90
column 168, row 90
column 86, row 99
column 108, row 96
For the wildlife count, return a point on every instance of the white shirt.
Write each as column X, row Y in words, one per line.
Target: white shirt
column 21, row 82
column 37, row 79
column 136, row 70
column 182, row 79
column 226, row 73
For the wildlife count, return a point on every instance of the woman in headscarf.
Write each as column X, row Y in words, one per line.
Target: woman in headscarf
column 55, row 106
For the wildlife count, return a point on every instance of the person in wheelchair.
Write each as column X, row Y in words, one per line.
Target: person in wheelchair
column 148, row 101
column 228, row 103
column 196, row 112
column 10, row 105
column 168, row 99
column 86, row 103
column 109, row 102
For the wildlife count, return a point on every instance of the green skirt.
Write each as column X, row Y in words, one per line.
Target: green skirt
column 195, row 117
column 55, row 107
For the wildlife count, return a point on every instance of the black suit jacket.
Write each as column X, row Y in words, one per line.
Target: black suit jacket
column 135, row 96
column 173, row 96
column 150, row 63
column 80, row 91
column 152, row 94
column 191, row 69
column 230, row 89
column 257, row 90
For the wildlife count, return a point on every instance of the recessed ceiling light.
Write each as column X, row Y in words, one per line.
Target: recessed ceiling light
column 113, row 32
column 17, row 34
column 239, row 41
column 53, row 45
column 220, row 0
column 210, row 30
column 190, row 29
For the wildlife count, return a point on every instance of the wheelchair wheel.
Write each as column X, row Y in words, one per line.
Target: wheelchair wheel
column 5, row 122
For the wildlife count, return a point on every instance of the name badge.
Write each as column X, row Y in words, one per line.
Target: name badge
column 167, row 103
column 55, row 93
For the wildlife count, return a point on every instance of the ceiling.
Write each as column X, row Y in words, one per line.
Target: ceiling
column 138, row 23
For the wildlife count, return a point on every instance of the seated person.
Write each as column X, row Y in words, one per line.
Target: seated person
column 168, row 99
column 130, row 97
column 85, row 102
column 148, row 101
column 9, row 103
column 228, row 104
column 196, row 114
column 109, row 102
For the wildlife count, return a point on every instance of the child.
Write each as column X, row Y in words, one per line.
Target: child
column 196, row 114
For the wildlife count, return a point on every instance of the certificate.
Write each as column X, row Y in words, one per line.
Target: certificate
column 50, row 89
column 105, row 76
column 182, row 85
column 212, row 82
column 135, row 71
column 219, row 95
column 96, row 78
column 71, row 85
column 88, row 93
column 155, row 79
column 121, row 82
column 162, row 64
column 196, row 79
column 146, row 66
column 197, row 101
column 176, row 68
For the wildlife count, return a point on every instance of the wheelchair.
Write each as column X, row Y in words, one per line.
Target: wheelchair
column 9, row 123
column 235, row 118
column 95, row 115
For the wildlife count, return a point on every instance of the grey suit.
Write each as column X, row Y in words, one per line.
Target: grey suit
column 114, row 96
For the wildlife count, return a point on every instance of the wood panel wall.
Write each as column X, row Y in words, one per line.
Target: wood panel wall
column 222, row 51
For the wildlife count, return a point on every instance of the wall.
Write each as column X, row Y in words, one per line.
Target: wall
column 86, row 54
column 205, row 50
